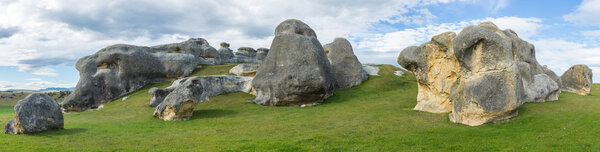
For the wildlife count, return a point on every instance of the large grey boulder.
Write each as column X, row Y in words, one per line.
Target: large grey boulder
column 489, row 87
column 578, row 79
column 345, row 67
column 225, row 53
column 180, row 102
column 296, row 71
column 37, row 112
column 436, row 69
column 537, row 84
column 120, row 69
column 248, row 70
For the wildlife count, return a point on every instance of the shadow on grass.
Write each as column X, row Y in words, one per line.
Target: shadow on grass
column 211, row 113
column 59, row 132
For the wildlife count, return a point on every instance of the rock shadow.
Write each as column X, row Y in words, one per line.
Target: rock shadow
column 211, row 113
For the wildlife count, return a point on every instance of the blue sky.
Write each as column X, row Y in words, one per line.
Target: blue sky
column 40, row 41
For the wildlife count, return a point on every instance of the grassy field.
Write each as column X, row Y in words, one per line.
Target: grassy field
column 375, row 116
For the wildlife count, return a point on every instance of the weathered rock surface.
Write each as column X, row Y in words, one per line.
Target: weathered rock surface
column 261, row 53
column 248, row 70
column 436, row 69
column 119, row 69
column 180, row 102
column 489, row 87
column 296, row 71
column 225, row 53
column 37, row 112
column 578, row 79
column 157, row 95
column 345, row 66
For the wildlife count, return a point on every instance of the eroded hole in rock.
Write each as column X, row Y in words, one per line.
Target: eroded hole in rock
column 107, row 65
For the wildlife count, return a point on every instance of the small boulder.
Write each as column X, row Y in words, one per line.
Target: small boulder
column 225, row 53
column 246, row 51
column 180, row 102
column 296, row 71
column 247, row 70
column 345, row 66
column 37, row 112
column 578, row 79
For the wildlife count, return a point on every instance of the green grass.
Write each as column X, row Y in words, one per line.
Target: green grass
column 375, row 116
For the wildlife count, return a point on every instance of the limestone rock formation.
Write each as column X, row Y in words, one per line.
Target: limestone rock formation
column 248, row 70
column 345, row 67
column 296, row 71
column 157, row 95
column 198, row 47
column 489, row 86
column 436, row 69
column 119, row 69
column 578, row 79
column 37, row 112
column 180, row 102
column 261, row 53
column 225, row 53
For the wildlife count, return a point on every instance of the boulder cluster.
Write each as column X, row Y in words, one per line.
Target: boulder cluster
column 484, row 74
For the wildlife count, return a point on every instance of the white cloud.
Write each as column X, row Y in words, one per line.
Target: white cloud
column 559, row 55
column 587, row 13
column 61, row 31
column 386, row 47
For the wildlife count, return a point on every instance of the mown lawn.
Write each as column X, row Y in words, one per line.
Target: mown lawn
column 375, row 116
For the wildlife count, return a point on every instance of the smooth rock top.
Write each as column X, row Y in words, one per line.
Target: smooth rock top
column 293, row 27
column 296, row 71
column 578, row 79
column 248, row 70
column 36, row 112
column 346, row 68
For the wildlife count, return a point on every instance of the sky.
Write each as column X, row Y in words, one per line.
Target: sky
column 40, row 40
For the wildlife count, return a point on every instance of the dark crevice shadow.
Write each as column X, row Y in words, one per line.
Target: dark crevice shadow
column 58, row 132
column 211, row 113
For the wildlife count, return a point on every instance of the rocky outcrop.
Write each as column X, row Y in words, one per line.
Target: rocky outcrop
column 296, row 71
column 481, row 75
column 261, row 53
column 157, row 95
column 345, row 67
column 180, row 102
column 248, row 70
column 225, row 53
column 489, row 87
column 436, row 69
column 120, row 69
column 37, row 112
column 578, row 79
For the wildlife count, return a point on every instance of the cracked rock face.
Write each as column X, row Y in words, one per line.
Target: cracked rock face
column 578, row 79
column 296, row 71
column 119, row 69
column 37, row 112
column 186, row 93
column 436, row 70
column 489, row 86
column 345, row 67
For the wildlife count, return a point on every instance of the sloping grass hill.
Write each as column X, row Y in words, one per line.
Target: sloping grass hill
column 375, row 116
